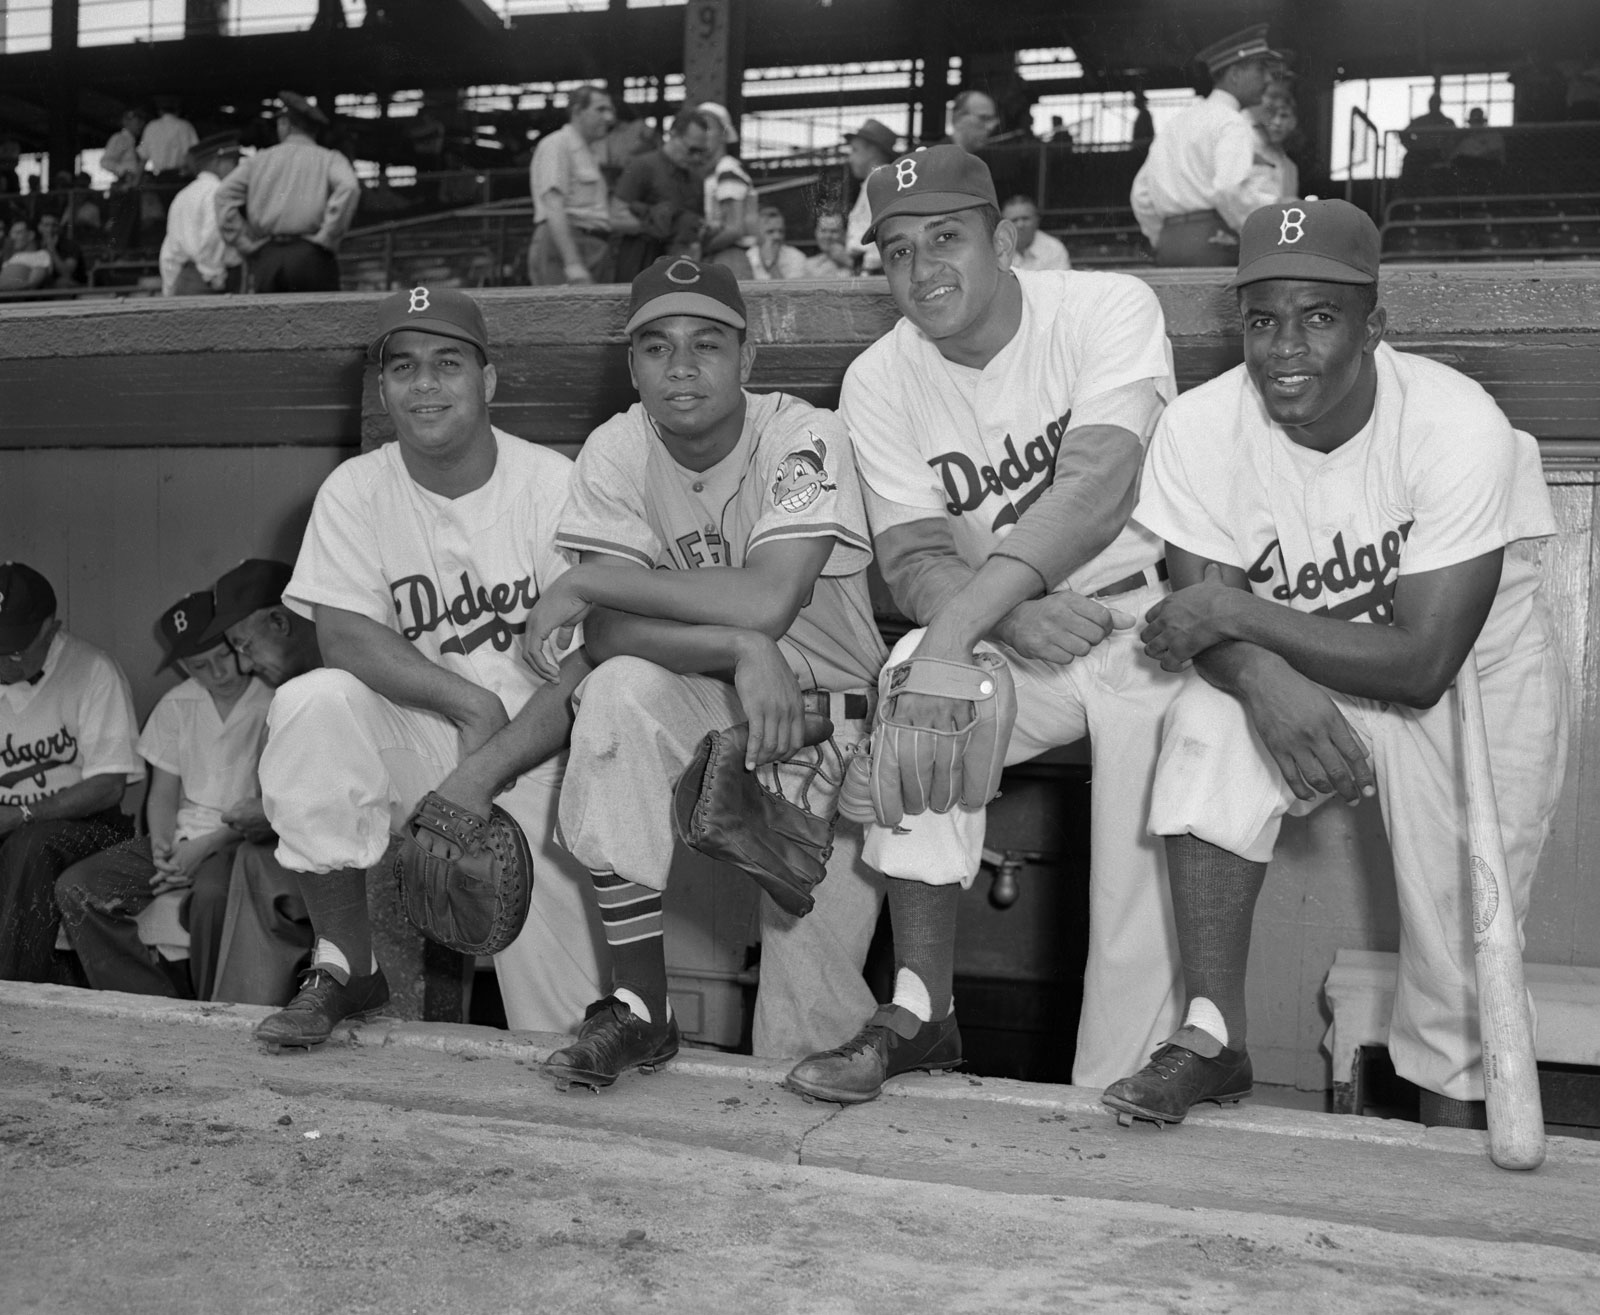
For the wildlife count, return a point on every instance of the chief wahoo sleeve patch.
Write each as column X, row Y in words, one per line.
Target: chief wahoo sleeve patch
column 802, row 476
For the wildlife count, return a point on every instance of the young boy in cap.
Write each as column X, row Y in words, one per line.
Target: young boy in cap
column 1197, row 184
column 1346, row 526
column 722, row 580
column 999, row 428
column 201, row 742
column 419, row 567
column 67, row 730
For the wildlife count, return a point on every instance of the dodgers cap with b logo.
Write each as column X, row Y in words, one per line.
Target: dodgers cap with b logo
column 183, row 626
column 447, row 312
column 1325, row 241
column 253, row 584
column 676, row 285
column 934, row 180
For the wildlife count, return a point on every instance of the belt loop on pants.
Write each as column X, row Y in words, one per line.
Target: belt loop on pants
column 840, row 706
column 1151, row 575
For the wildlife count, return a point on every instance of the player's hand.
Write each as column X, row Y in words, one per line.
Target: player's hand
column 1189, row 621
column 249, row 819
column 770, row 694
column 1308, row 737
column 551, row 623
column 1059, row 627
column 480, row 725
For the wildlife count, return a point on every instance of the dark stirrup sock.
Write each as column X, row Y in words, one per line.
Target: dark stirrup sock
column 337, row 904
column 923, row 919
column 631, row 916
column 1436, row 1111
column 1214, row 901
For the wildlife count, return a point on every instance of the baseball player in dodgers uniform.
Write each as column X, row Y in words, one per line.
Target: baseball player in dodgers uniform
column 999, row 428
column 720, row 532
column 420, row 565
column 1345, row 526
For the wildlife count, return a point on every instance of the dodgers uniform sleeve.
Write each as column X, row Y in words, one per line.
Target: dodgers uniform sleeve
column 1121, row 337
column 809, row 487
column 107, row 729
column 160, row 742
column 888, row 456
column 1475, row 485
column 1182, row 491
column 606, row 510
column 340, row 564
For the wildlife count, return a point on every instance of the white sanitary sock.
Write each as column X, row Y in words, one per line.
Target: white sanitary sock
column 1207, row 1017
column 911, row 992
column 329, row 955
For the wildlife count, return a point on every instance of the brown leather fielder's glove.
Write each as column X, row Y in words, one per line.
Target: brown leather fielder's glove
column 916, row 769
column 473, row 895
column 776, row 822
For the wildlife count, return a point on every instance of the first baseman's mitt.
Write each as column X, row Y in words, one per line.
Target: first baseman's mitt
column 473, row 895
column 748, row 819
column 916, row 769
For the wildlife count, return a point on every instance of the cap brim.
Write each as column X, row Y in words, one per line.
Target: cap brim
column 13, row 639
column 1288, row 265
column 928, row 203
column 684, row 303
column 202, row 643
column 422, row 324
column 218, row 629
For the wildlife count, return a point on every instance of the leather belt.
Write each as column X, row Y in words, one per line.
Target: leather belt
column 837, row 706
column 1138, row 580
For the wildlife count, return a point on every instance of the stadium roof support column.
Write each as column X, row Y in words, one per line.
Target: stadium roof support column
column 713, row 53
column 63, row 138
column 935, row 74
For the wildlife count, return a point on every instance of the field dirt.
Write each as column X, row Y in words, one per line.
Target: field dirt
column 162, row 1162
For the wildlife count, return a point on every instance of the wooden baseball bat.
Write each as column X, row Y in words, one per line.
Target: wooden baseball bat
column 1510, row 1077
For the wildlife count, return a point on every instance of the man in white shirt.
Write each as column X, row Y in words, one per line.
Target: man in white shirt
column 730, row 202
column 195, row 261
column 165, row 143
column 1035, row 250
column 67, row 731
column 572, row 219
column 870, row 145
column 1195, row 187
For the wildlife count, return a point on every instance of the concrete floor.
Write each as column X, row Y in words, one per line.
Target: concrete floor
column 153, row 1158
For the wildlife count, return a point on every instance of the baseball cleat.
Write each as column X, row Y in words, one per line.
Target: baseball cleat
column 894, row 1041
column 1189, row 1067
column 322, row 1001
column 611, row 1041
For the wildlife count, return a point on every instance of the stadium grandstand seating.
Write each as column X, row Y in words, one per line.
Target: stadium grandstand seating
column 1551, row 227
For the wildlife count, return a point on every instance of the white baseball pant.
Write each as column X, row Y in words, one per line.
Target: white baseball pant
column 1216, row 781
column 1132, row 986
column 344, row 767
column 638, row 726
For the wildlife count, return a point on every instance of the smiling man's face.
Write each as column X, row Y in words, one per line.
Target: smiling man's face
column 944, row 270
column 437, row 390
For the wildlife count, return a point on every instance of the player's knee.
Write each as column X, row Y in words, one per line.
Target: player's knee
column 622, row 690
column 319, row 699
column 1203, row 715
column 72, row 895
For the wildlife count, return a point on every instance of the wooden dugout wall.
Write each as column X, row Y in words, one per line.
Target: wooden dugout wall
column 146, row 446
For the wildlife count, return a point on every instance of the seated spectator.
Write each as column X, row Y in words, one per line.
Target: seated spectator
column 26, row 265
column 833, row 259
column 201, row 743
column 67, row 732
column 1034, row 250
column 66, row 256
column 1479, row 154
column 663, row 192
column 772, row 257
column 87, row 217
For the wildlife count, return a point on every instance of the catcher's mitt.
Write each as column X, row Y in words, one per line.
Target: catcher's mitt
column 916, row 769
column 759, row 820
column 473, row 895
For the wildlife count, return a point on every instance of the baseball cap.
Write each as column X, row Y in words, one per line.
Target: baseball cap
column 26, row 602
column 931, row 180
column 183, row 626
column 1250, row 43
column 877, row 134
column 295, row 103
column 253, row 584
column 1327, row 241
column 218, row 143
column 721, row 115
column 676, row 285
column 447, row 312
